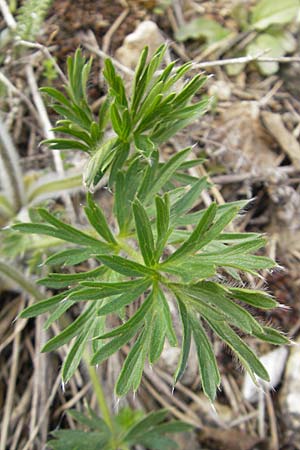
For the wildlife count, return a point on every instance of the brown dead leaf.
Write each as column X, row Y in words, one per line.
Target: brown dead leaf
column 228, row 439
column 247, row 146
column 287, row 141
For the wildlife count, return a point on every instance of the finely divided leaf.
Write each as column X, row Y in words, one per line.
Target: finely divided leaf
column 125, row 266
column 98, row 221
column 210, row 376
column 144, row 232
column 186, row 341
column 238, row 346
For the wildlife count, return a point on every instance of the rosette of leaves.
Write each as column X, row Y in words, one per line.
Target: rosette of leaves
column 148, row 258
column 153, row 113
column 129, row 428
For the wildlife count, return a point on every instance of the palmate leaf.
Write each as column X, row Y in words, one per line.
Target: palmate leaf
column 125, row 266
column 211, row 293
column 166, row 172
column 152, row 323
column 59, row 280
column 75, row 439
column 85, row 319
column 132, row 370
column 210, row 376
column 162, row 224
column 98, row 221
column 70, row 257
column 186, row 341
column 144, row 233
column 130, row 428
column 44, row 305
column 219, row 323
column 60, row 230
column 158, row 246
column 152, row 114
column 74, row 356
column 136, row 321
column 240, row 348
column 166, row 317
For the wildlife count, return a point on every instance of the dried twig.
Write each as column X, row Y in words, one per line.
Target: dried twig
column 246, row 59
column 42, row 416
column 274, row 444
column 176, row 413
column 261, row 414
column 11, row 389
column 40, row 385
column 161, row 387
column 10, row 169
column 8, row 17
column 47, row 54
column 255, row 177
column 109, row 34
column 16, row 91
column 103, row 55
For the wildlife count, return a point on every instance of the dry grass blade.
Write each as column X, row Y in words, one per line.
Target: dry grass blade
column 9, row 401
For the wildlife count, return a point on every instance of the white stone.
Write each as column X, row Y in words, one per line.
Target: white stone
column 290, row 392
column 147, row 33
column 220, row 89
column 274, row 362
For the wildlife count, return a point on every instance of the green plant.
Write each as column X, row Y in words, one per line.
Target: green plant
column 129, row 428
column 267, row 21
column 18, row 194
column 152, row 115
column 22, row 192
column 30, row 18
column 50, row 72
column 158, row 249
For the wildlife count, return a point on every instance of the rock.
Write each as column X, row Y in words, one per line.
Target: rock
column 290, row 392
column 169, row 360
column 221, row 90
column 274, row 362
column 147, row 33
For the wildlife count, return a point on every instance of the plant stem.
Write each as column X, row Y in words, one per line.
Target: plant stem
column 20, row 280
column 100, row 395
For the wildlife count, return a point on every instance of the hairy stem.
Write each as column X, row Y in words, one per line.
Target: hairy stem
column 99, row 394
